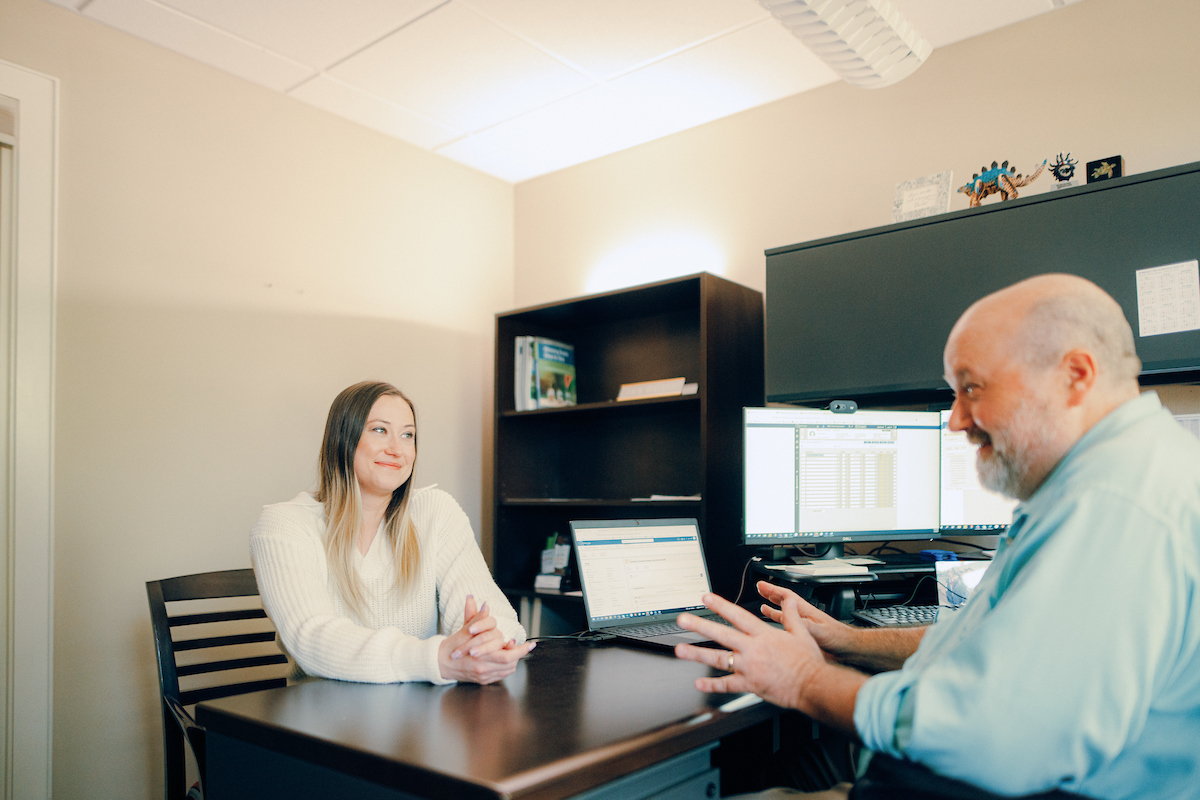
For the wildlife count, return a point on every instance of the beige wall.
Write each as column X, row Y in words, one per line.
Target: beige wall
column 228, row 260
column 1096, row 78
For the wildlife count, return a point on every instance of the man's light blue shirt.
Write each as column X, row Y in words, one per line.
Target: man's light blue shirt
column 1076, row 662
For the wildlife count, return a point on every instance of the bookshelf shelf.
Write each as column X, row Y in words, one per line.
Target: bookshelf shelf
column 604, row 406
column 557, row 464
column 555, row 502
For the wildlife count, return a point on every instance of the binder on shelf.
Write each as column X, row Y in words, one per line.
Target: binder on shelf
column 524, row 399
column 544, row 373
column 644, row 390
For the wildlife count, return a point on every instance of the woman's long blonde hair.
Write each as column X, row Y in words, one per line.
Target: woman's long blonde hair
column 337, row 490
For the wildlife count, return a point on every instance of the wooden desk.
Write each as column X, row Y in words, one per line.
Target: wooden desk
column 573, row 718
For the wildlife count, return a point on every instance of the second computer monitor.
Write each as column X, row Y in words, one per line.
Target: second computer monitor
column 967, row 506
column 816, row 476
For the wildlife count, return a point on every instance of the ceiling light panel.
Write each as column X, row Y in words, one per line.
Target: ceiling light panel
column 194, row 39
column 356, row 105
column 318, row 33
column 756, row 65
column 606, row 39
column 456, row 67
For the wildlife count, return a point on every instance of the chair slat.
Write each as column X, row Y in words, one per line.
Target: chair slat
column 215, row 692
column 234, row 583
column 224, row 641
column 217, row 616
column 233, row 663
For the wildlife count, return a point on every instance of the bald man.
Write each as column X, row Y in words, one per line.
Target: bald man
column 1075, row 665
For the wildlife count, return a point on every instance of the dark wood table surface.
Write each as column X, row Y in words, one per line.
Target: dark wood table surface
column 573, row 716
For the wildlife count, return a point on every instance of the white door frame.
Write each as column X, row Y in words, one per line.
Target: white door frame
column 30, row 601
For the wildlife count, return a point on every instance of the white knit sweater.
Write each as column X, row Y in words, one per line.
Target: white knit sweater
column 399, row 637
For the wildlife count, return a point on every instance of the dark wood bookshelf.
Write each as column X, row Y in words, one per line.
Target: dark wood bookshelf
column 590, row 460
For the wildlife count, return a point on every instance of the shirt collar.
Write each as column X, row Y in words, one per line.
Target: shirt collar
column 1119, row 419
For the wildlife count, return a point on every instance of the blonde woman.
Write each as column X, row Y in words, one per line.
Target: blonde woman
column 357, row 575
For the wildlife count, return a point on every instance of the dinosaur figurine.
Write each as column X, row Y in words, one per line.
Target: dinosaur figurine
column 1000, row 180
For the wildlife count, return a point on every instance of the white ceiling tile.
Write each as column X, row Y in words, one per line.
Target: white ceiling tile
column 944, row 22
column 479, row 152
column 318, row 33
column 541, row 84
column 453, row 66
column 175, row 31
column 745, row 69
column 608, row 38
column 356, row 105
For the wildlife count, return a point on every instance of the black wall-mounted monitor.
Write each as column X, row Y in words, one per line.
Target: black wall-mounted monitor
column 866, row 315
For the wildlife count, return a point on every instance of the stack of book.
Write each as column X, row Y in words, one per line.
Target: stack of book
column 544, row 374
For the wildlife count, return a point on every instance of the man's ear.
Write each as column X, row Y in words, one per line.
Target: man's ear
column 1079, row 369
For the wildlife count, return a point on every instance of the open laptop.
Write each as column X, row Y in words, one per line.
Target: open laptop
column 638, row 575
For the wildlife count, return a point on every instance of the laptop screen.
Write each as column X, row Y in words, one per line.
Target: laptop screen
column 634, row 568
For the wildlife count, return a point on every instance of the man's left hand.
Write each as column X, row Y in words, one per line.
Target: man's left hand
column 772, row 663
column 784, row 667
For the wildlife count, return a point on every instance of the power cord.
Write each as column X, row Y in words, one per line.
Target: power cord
column 581, row 636
column 913, row 594
column 742, row 583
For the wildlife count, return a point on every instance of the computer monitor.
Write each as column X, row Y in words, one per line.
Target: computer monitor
column 815, row 476
column 819, row 477
column 966, row 506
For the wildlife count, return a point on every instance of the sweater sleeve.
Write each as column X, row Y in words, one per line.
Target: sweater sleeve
column 289, row 561
column 461, row 570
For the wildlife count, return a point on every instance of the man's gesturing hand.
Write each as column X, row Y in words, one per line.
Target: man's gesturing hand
column 785, row 667
column 836, row 639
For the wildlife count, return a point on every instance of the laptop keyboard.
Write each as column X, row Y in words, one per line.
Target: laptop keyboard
column 662, row 628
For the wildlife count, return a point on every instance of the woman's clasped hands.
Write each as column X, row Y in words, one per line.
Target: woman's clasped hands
column 478, row 652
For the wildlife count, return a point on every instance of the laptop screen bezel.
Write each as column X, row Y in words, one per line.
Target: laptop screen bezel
column 648, row 619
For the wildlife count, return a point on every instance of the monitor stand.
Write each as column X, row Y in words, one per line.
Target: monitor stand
column 836, row 550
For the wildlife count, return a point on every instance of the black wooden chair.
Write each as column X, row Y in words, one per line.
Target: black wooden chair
column 233, row 652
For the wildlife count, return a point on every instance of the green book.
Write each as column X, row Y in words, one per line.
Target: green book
column 554, row 372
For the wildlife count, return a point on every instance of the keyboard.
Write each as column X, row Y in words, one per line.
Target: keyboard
column 897, row 616
column 663, row 628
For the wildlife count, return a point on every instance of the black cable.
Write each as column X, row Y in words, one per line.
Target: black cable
column 581, row 636
column 963, row 544
column 961, row 599
column 924, row 578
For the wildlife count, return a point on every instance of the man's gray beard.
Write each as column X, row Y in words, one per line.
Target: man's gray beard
column 1013, row 452
column 1000, row 473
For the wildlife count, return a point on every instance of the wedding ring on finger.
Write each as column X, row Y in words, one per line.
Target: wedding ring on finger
column 729, row 665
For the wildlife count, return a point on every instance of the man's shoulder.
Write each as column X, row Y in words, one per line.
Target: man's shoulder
column 1153, row 444
column 1150, row 468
